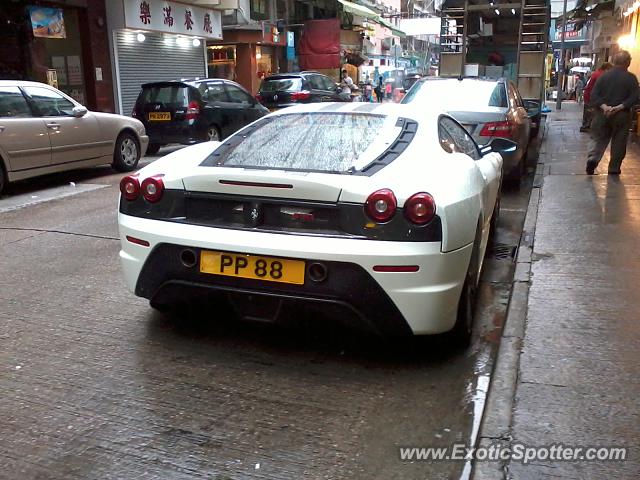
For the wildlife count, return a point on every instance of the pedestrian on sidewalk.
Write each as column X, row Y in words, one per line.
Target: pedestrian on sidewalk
column 587, row 113
column 579, row 88
column 613, row 96
column 378, row 89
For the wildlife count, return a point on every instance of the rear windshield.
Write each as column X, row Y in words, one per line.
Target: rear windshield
column 327, row 142
column 457, row 95
column 288, row 84
column 170, row 96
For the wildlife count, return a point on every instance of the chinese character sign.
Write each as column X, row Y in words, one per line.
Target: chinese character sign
column 188, row 21
column 145, row 13
column 207, row 23
column 173, row 17
column 168, row 19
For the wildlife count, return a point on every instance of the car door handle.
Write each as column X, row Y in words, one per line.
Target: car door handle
column 1, row 129
column 53, row 126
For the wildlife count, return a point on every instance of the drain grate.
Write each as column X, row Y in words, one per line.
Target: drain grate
column 500, row 251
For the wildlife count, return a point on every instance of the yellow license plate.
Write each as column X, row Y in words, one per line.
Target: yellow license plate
column 252, row 266
column 160, row 116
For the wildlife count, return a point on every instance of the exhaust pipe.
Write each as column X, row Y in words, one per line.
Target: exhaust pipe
column 188, row 258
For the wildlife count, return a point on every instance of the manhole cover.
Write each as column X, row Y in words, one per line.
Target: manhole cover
column 500, row 251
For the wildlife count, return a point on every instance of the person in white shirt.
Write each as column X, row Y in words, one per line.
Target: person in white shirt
column 347, row 83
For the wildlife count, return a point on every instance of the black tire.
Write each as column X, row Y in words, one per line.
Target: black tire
column 534, row 130
column 3, row 177
column 515, row 176
column 126, row 153
column 462, row 330
column 213, row 134
column 153, row 148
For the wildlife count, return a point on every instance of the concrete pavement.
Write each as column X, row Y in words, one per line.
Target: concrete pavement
column 574, row 341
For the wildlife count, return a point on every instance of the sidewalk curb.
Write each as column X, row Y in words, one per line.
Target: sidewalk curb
column 498, row 412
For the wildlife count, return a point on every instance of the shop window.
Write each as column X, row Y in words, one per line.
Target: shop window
column 221, row 61
column 64, row 55
column 50, row 103
column 13, row 104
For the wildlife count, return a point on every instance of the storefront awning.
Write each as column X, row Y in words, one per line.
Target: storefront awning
column 395, row 30
column 369, row 14
column 359, row 10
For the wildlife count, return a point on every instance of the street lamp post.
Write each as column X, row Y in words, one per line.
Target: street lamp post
column 561, row 69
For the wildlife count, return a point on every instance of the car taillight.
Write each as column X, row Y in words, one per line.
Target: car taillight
column 152, row 188
column 130, row 187
column 259, row 97
column 193, row 110
column 381, row 205
column 133, row 112
column 420, row 208
column 497, row 129
column 303, row 95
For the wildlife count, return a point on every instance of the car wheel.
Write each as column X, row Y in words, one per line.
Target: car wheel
column 213, row 134
column 463, row 328
column 534, row 130
column 153, row 148
column 126, row 153
column 3, row 178
column 513, row 179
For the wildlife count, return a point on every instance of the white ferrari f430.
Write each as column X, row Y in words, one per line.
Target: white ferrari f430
column 377, row 213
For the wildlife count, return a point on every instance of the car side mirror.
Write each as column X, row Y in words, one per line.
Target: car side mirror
column 79, row 111
column 499, row 145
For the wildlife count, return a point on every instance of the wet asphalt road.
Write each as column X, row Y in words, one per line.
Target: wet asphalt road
column 95, row 384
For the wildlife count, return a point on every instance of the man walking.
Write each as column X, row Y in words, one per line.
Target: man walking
column 613, row 96
column 587, row 113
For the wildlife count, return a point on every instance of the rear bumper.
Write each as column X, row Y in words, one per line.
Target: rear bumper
column 144, row 143
column 422, row 302
column 186, row 132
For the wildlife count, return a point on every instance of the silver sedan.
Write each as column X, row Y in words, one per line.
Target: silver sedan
column 43, row 131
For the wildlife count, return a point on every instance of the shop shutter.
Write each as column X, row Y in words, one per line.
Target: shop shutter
column 156, row 59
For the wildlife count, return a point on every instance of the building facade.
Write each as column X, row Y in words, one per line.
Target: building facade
column 60, row 43
column 155, row 40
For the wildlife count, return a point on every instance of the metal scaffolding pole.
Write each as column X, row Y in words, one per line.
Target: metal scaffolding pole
column 562, row 66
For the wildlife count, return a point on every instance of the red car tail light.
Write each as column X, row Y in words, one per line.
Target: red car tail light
column 497, row 129
column 133, row 112
column 381, row 205
column 152, row 188
column 420, row 208
column 259, row 97
column 130, row 187
column 302, row 95
column 193, row 110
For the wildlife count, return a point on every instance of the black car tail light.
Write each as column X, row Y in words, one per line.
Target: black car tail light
column 193, row 110
column 302, row 95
